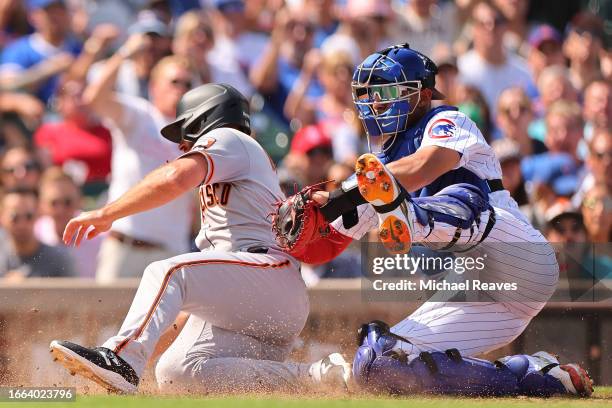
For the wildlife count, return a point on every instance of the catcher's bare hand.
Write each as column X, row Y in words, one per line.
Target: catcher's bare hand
column 320, row 197
column 91, row 222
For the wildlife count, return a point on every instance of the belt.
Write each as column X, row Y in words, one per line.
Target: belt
column 495, row 185
column 257, row 249
column 136, row 243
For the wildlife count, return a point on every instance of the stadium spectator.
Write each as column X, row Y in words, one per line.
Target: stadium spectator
column 448, row 73
column 138, row 148
column 425, row 24
column 20, row 168
column 598, row 162
column 325, row 13
column 60, row 200
column 550, row 176
column 509, row 155
column 275, row 74
column 334, row 111
column 312, row 148
column 489, row 66
column 194, row 40
column 515, row 13
column 363, row 29
column 564, row 128
column 472, row 102
column 33, row 62
column 18, row 212
column 545, row 49
column 582, row 47
column 597, row 212
column 553, row 85
column 79, row 141
column 236, row 44
column 514, row 114
column 20, row 113
column 135, row 71
column 597, row 108
column 564, row 224
column 605, row 63
column 13, row 21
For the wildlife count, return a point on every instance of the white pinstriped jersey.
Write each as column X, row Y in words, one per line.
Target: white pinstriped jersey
column 238, row 194
column 452, row 130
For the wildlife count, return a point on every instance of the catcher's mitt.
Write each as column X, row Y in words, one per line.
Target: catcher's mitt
column 298, row 221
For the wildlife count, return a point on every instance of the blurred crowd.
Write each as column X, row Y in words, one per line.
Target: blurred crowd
column 86, row 85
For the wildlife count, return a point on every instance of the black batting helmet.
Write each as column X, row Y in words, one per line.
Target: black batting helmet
column 205, row 108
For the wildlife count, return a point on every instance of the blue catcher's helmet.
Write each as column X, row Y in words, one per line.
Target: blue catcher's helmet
column 382, row 88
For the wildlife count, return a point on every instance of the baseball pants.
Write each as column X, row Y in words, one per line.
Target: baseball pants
column 246, row 311
column 514, row 252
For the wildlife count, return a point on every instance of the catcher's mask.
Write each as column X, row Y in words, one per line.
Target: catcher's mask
column 382, row 87
column 205, row 108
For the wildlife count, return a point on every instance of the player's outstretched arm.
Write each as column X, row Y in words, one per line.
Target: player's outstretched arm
column 158, row 188
column 424, row 166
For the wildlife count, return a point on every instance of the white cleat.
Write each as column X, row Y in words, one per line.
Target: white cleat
column 574, row 378
column 331, row 372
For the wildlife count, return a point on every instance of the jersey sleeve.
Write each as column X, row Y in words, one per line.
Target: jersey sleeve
column 226, row 156
column 454, row 130
column 367, row 220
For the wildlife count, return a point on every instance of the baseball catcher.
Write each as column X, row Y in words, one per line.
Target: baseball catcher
column 431, row 178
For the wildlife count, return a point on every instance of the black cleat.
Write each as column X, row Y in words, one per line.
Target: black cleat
column 98, row 364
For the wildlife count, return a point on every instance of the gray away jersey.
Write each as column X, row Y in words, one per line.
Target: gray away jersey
column 238, row 193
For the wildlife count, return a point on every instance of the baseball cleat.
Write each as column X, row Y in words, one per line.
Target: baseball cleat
column 574, row 378
column 379, row 188
column 98, row 364
column 333, row 371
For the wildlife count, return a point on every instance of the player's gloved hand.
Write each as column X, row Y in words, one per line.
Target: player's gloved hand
column 298, row 221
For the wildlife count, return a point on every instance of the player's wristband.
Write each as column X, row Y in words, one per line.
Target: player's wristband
column 344, row 202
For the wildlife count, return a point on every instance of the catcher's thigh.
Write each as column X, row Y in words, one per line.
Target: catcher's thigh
column 515, row 253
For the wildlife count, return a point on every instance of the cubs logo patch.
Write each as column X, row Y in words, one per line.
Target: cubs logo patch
column 442, row 129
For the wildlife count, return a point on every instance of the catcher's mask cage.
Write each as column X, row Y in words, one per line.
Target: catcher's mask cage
column 205, row 108
column 382, row 87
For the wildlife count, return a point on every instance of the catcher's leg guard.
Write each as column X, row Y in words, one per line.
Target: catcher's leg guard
column 381, row 190
column 374, row 341
column 541, row 375
column 377, row 368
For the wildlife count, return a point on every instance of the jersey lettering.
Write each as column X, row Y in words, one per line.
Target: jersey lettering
column 214, row 194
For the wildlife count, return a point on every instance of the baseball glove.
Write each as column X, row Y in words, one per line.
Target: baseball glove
column 298, row 221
